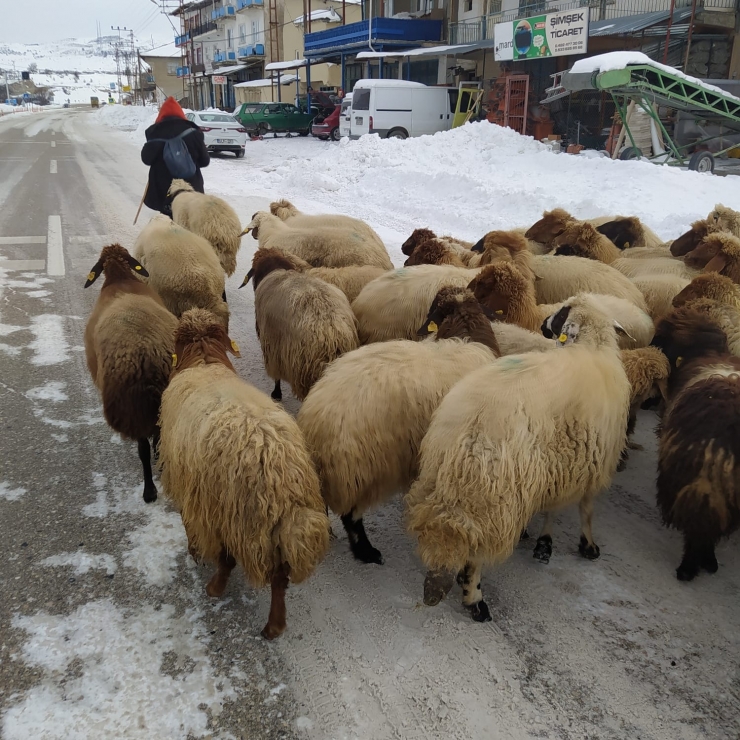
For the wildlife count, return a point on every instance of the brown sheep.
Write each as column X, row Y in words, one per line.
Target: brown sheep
column 710, row 285
column 419, row 236
column 506, row 245
column 433, row 252
column 722, row 250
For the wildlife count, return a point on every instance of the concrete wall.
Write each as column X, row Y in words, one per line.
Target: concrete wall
column 170, row 84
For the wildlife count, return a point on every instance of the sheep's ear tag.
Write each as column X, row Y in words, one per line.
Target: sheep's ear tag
column 246, row 231
column 235, row 349
column 137, row 267
column 174, row 360
column 432, row 327
column 247, row 278
column 563, row 338
column 679, row 360
column 93, row 275
column 499, row 311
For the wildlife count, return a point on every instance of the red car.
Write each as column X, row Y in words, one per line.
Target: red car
column 327, row 128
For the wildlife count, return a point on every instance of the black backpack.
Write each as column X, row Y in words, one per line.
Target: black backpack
column 177, row 157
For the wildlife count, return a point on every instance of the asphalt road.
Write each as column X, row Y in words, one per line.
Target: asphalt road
column 105, row 628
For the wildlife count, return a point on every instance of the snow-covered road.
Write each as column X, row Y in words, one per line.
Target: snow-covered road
column 106, row 628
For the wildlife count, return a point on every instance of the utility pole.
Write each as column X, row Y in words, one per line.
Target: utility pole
column 118, row 56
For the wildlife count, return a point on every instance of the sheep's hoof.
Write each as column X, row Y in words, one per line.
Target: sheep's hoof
column 150, row 494
column 709, row 563
column 591, row 552
column 622, row 464
column 687, row 572
column 524, row 535
column 271, row 631
column 480, row 611
column 437, row 585
column 368, row 554
column 215, row 587
column 634, row 446
column 543, row 549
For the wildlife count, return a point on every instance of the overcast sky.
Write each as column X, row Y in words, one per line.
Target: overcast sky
column 53, row 20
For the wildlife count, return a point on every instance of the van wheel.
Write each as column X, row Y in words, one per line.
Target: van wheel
column 335, row 135
column 397, row 133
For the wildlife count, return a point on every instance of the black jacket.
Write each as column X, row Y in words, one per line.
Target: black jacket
column 151, row 154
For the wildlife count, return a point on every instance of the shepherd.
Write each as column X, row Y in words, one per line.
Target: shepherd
column 174, row 149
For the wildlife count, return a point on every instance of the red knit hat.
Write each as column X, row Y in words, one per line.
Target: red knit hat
column 170, row 109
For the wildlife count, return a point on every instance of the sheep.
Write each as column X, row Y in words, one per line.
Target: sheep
column 302, row 322
column 393, row 305
column 434, row 252
column 513, row 340
column 319, row 246
column 719, row 252
column 727, row 317
column 506, row 292
column 288, row 213
column 721, row 218
column 420, row 236
column 129, row 340
column 710, row 285
column 506, row 245
column 659, row 292
column 365, row 418
column 183, row 268
column 236, row 466
column 527, row 433
column 697, row 489
column 210, row 217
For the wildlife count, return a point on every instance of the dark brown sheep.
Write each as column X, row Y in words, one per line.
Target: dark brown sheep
column 418, row 236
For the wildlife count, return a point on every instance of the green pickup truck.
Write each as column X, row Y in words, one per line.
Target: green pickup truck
column 261, row 118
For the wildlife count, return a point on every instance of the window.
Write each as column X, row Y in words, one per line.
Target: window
column 228, row 38
column 361, row 99
column 216, row 118
column 242, row 33
column 468, row 6
column 171, row 68
column 494, row 7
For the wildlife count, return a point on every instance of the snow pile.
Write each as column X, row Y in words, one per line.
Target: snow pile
column 133, row 118
column 466, row 182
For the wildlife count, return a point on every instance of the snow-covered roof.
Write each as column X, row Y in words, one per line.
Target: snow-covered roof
column 424, row 51
column 290, row 64
column 329, row 15
column 621, row 59
column 284, row 80
column 386, row 83
column 168, row 51
column 227, row 70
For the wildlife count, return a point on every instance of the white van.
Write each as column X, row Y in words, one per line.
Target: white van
column 345, row 115
column 399, row 108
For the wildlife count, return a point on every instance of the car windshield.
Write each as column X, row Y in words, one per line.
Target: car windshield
column 361, row 99
column 346, row 104
column 216, row 118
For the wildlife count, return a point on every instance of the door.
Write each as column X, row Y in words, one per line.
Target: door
column 360, row 111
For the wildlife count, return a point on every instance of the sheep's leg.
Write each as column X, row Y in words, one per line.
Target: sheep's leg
column 472, row 595
column 624, row 455
column 223, row 296
column 698, row 553
column 437, row 585
column 358, row 541
column 277, row 392
column 587, row 547
column 145, row 455
column 543, row 548
column 217, row 585
column 155, row 443
column 276, row 621
column 524, row 535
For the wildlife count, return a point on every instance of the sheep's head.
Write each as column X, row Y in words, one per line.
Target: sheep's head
column 724, row 219
column 497, row 244
column 647, row 370
column 501, row 288
column 201, row 338
column 283, row 209
column 445, row 303
column 418, row 237
column 718, row 252
column 179, row 186
column 432, row 253
column 114, row 261
column 686, row 333
column 582, row 321
column 265, row 261
column 710, row 285
column 257, row 220
column 692, row 238
column 578, row 239
column 549, row 226
column 622, row 232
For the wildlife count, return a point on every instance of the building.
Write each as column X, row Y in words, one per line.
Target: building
column 163, row 79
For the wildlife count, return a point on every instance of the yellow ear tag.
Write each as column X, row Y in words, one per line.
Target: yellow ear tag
column 499, row 311
column 234, row 346
column 137, row 267
column 679, row 360
column 91, row 276
column 563, row 338
column 431, row 327
column 174, row 360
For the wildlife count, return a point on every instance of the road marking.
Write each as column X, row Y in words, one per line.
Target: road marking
column 22, row 240
column 53, row 167
column 94, row 239
column 54, row 248
column 21, row 265
column 53, row 144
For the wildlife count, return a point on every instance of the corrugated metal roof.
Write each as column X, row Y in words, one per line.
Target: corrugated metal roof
column 634, row 23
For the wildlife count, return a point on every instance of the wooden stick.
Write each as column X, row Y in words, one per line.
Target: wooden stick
column 136, row 218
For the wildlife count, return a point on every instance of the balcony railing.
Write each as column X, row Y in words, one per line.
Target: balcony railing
column 198, row 69
column 385, row 32
column 224, row 56
column 182, row 40
column 242, row 4
column 206, row 27
column 223, row 11
column 256, row 50
column 183, row 71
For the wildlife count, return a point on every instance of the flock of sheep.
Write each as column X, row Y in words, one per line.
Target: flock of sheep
column 488, row 382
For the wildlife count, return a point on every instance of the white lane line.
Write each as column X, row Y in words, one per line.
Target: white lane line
column 53, row 144
column 21, row 265
column 22, row 240
column 54, row 248
column 53, row 167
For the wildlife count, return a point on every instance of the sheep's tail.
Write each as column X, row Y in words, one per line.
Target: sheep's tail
column 133, row 409
column 283, row 209
column 303, row 538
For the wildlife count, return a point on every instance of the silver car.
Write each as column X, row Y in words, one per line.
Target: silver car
column 221, row 131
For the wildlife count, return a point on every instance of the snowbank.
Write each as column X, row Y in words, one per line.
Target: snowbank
column 133, row 118
column 465, row 182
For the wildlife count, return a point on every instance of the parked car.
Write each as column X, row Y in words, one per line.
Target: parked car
column 221, row 131
column 345, row 117
column 259, row 118
column 399, row 108
column 327, row 128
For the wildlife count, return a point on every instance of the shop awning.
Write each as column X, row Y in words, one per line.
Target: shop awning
column 227, row 70
column 267, row 82
column 290, row 64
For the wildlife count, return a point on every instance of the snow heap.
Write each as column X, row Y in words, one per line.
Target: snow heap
column 133, row 118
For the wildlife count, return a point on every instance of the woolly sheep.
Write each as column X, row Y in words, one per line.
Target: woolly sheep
column 697, row 489
column 420, row 236
column 513, row 340
column 183, row 268
column 129, row 340
column 720, row 218
column 237, row 468
column 210, row 217
column 320, row 246
column 302, row 322
column 710, row 285
column 528, row 433
column 659, row 292
column 718, row 252
column 288, row 213
column 726, row 316
column 365, row 418
column 394, row 305
column 434, row 252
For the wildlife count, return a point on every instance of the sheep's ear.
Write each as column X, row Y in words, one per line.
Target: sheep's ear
column 94, row 274
column 479, row 246
column 620, row 232
column 247, row 277
column 246, row 231
column 234, row 348
column 717, row 263
column 622, row 331
column 136, row 266
column 537, row 277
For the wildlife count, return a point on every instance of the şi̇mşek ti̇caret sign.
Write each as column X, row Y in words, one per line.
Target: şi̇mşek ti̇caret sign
column 552, row 35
